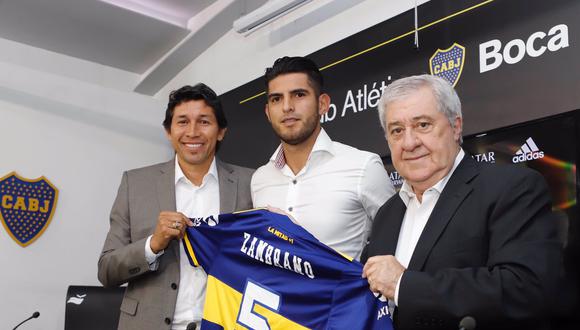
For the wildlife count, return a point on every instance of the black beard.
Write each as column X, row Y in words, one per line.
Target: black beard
column 301, row 136
column 297, row 139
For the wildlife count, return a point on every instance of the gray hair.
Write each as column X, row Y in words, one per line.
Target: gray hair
column 447, row 100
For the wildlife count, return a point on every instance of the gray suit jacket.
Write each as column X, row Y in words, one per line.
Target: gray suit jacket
column 149, row 301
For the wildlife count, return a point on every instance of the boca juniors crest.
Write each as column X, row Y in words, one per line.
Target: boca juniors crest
column 448, row 63
column 26, row 206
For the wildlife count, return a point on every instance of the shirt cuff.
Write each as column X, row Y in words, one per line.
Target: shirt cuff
column 150, row 256
column 397, row 290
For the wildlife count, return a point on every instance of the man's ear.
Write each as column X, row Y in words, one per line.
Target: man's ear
column 323, row 103
column 457, row 128
column 221, row 133
column 267, row 112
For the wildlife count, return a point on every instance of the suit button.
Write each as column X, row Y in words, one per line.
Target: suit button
column 167, row 320
column 173, row 286
column 134, row 271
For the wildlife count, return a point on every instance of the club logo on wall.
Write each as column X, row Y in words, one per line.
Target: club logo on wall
column 448, row 63
column 26, row 206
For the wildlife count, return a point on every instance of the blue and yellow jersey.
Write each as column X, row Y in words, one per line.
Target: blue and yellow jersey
column 265, row 272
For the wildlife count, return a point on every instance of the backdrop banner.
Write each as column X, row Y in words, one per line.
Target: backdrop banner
column 511, row 61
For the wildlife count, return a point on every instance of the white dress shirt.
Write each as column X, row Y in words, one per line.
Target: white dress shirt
column 416, row 217
column 192, row 201
column 335, row 196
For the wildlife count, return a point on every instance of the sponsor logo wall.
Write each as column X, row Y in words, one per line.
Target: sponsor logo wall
column 509, row 65
column 547, row 145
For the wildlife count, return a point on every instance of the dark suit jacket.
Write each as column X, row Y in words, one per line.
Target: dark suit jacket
column 149, row 301
column 489, row 250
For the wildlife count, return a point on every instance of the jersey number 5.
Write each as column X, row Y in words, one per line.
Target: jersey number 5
column 254, row 294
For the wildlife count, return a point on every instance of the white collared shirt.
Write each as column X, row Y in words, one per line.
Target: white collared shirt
column 335, row 196
column 192, row 201
column 416, row 217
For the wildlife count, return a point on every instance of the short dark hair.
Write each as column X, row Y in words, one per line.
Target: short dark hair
column 296, row 64
column 194, row 93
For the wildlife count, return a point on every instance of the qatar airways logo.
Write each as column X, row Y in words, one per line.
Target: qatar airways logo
column 528, row 151
column 487, row 157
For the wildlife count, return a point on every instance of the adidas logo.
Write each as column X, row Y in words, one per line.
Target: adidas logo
column 528, row 151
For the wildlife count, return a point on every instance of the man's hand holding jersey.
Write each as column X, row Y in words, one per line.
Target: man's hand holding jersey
column 383, row 274
column 170, row 225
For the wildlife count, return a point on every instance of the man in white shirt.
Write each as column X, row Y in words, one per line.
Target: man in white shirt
column 461, row 238
column 331, row 189
column 152, row 210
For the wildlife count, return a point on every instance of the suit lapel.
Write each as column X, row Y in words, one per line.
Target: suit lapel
column 166, row 187
column 392, row 226
column 228, row 183
column 455, row 191
column 166, row 194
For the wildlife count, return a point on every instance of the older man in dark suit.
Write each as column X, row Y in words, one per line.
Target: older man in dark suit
column 460, row 239
column 153, row 208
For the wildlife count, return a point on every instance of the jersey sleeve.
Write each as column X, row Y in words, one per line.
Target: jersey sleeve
column 202, row 241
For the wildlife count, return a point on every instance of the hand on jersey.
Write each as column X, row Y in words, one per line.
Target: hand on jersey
column 382, row 273
column 170, row 225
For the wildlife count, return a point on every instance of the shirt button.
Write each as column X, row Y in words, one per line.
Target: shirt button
column 294, row 181
column 173, row 286
column 167, row 320
column 290, row 208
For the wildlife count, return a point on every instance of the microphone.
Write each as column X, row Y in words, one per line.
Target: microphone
column 467, row 323
column 191, row 326
column 34, row 315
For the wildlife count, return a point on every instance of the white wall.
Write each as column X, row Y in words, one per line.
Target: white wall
column 81, row 136
column 50, row 62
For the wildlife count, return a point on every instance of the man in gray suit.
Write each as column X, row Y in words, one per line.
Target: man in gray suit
column 152, row 210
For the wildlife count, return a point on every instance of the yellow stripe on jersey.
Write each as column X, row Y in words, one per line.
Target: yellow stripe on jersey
column 345, row 256
column 189, row 250
column 249, row 210
column 222, row 304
